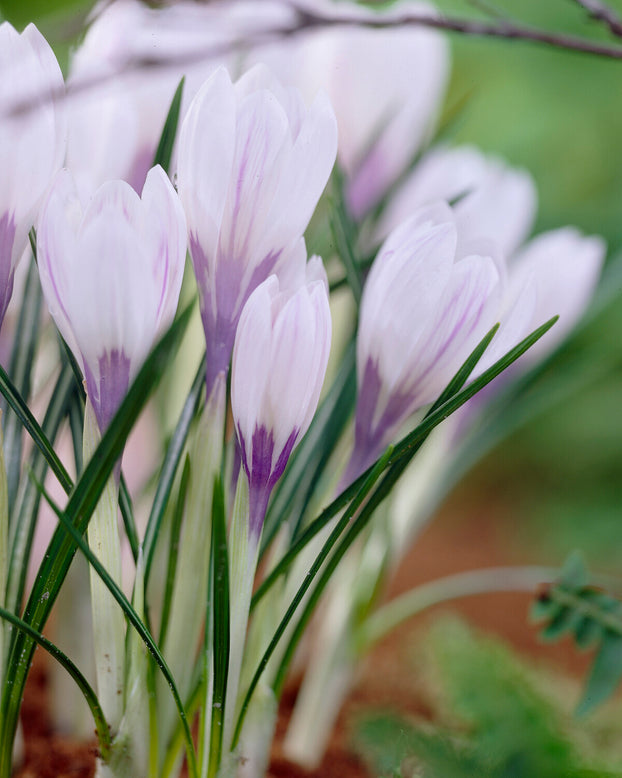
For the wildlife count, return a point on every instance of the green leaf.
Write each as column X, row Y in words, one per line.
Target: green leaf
column 345, row 234
column 79, row 509
column 127, row 514
column 605, row 674
column 164, row 151
column 31, row 425
column 28, row 496
column 169, row 467
column 101, row 726
column 22, row 361
column 356, row 503
column 220, row 625
column 311, row 531
column 173, row 549
column 574, row 573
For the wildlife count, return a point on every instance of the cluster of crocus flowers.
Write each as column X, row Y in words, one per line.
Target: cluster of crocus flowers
column 253, row 158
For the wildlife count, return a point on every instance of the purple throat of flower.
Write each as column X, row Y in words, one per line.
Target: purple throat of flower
column 370, row 439
column 106, row 395
column 221, row 310
column 7, row 241
column 262, row 475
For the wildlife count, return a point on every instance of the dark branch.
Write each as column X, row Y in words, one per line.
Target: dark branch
column 603, row 13
column 307, row 18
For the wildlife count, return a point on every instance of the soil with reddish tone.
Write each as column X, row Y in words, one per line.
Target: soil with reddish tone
column 461, row 538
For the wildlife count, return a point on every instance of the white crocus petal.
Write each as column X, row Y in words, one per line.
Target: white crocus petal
column 252, row 353
column 249, row 183
column 32, row 140
column 565, row 266
column 168, row 216
column 111, row 275
column 206, row 149
column 492, row 199
column 279, row 362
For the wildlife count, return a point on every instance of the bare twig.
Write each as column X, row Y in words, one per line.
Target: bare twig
column 306, row 18
column 603, row 13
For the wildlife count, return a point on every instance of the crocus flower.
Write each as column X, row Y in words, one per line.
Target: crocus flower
column 126, row 70
column 111, row 272
column 386, row 86
column 32, row 140
column 253, row 162
column 424, row 309
column 279, row 361
column 491, row 199
column 564, row 267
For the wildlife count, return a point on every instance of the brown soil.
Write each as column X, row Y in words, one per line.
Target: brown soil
column 457, row 540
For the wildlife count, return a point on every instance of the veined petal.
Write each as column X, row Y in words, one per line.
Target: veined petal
column 204, row 168
column 304, row 174
column 168, row 241
column 251, row 359
column 565, row 266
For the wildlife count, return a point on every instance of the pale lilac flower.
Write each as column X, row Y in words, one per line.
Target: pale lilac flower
column 492, row 199
column 126, row 70
column 111, row 272
column 386, row 86
column 424, row 309
column 32, row 141
column 564, row 267
column 279, row 361
column 253, row 162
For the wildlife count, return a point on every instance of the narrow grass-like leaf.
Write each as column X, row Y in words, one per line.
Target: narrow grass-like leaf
column 164, row 151
column 101, row 726
column 20, row 369
column 79, row 509
column 31, row 425
column 169, row 467
column 173, row 545
column 76, row 426
column 445, row 405
column 309, row 457
column 356, row 503
column 28, row 497
column 396, row 464
column 138, row 625
column 309, row 533
column 220, row 625
column 344, row 234
column 127, row 514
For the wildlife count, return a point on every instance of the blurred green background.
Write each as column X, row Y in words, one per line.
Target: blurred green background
column 559, row 114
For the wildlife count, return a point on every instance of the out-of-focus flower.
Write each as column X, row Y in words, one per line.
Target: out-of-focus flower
column 32, row 140
column 279, row 361
column 424, row 309
column 386, row 86
column 564, row 267
column 111, row 273
column 253, row 162
column 127, row 69
column 491, row 199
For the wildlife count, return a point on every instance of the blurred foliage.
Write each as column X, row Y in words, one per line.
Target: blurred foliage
column 593, row 618
column 559, row 115
column 494, row 718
